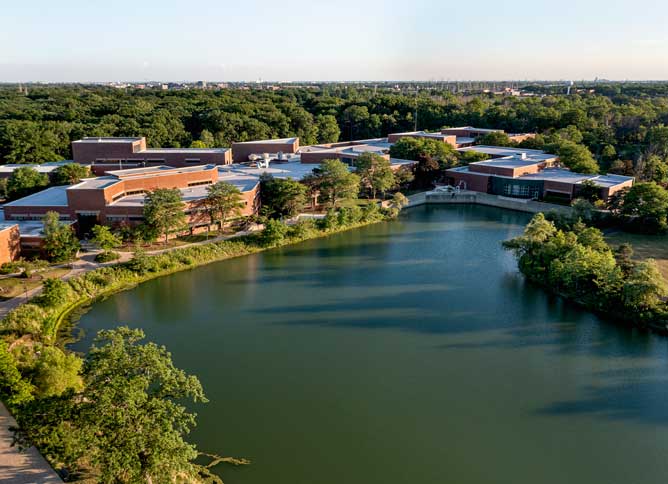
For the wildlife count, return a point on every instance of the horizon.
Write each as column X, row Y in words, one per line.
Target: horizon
column 358, row 42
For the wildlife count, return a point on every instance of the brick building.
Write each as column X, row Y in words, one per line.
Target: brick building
column 531, row 174
column 118, row 197
column 107, row 154
column 242, row 151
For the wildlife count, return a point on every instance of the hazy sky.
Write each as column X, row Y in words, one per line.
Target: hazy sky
column 91, row 40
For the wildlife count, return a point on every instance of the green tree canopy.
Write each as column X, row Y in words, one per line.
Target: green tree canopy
column 282, row 197
column 222, row 201
column 25, row 180
column 60, row 241
column 105, row 239
column 577, row 158
column 375, row 173
column 163, row 211
column 495, row 138
column 70, row 174
column 336, row 183
column 649, row 202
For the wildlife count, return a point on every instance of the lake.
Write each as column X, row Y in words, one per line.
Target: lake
column 405, row 352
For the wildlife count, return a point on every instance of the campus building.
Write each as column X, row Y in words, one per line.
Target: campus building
column 118, row 197
column 107, row 154
column 530, row 174
column 345, row 151
column 468, row 134
column 276, row 148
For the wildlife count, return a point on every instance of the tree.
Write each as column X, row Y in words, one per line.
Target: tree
column 105, row 239
column 282, row 197
column 399, row 200
column 70, row 174
column 415, row 149
column 466, row 157
column 222, row 201
column 274, row 232
column 427, row 172
column 336, row 181
column 328, row 128
column 14, row 390
column 495, row 138
column 127, row 422
column 54, row 292
column 56, row 372
column 649, row 202
column 577, row 158
column 163, row 211
column 25, row 180
column 375, row 173
column 60, row 241
column 645, row 288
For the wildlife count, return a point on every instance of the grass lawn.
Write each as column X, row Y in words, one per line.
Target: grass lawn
column 644, row 246
column 16, row 286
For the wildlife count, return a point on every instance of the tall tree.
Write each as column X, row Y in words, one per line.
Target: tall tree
column 577, row 158
column 163, row 211
column 328, row 128
column 26, row 180
column 375, row 173
column 70, row 174
column 222, row 201
column 128, row 422
column 282, row 197
column 60, row 241
column 336, row 181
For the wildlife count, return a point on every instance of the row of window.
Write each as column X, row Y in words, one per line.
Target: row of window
column 523, row 191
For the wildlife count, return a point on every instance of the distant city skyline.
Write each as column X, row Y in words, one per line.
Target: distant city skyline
column 296, row 40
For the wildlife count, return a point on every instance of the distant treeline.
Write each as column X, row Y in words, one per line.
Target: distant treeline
column 622, row 125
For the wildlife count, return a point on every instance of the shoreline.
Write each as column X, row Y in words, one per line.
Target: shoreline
column 63, row 314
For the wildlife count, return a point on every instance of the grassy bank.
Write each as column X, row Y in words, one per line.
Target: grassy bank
column 644, row 246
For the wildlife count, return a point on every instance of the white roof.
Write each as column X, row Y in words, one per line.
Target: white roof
column 51, row 197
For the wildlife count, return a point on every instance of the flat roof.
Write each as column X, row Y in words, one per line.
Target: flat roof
column 158, row 170
column 193, row 151
column 558, row 175
column 109, row 139
column 51, row 197
column 423, row 134
column 28, row 228
column 46, row 167
column 508, row 162
column 611, row 180
column 268, row 141
column 96, row 183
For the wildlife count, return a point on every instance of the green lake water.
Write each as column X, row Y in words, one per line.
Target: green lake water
column 405, row 352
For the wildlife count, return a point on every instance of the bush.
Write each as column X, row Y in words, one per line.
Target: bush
column 303, row 229
column 26, row 319
column 107, row 256
column 54, row 292
column 274, row 232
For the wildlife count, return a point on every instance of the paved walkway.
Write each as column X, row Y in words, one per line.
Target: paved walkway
column 27, row 467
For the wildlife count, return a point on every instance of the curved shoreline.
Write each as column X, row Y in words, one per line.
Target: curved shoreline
column 62, row 313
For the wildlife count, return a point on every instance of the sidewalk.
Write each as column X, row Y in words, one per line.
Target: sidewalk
column 27, row 467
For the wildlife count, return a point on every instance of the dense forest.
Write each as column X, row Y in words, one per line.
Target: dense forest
column 622, row 126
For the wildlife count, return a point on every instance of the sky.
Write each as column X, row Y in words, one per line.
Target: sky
column 296, row 40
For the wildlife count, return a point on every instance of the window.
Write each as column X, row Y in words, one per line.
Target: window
column 198, row 183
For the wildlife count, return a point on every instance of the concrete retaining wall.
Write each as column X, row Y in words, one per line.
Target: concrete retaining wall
column 479, row 198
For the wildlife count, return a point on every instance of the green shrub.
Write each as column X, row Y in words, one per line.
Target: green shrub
column 26, row 319
column 54, row 292
column 274, row 232
column 107, row 256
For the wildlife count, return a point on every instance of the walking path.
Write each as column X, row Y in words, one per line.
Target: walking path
column 27, row 467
